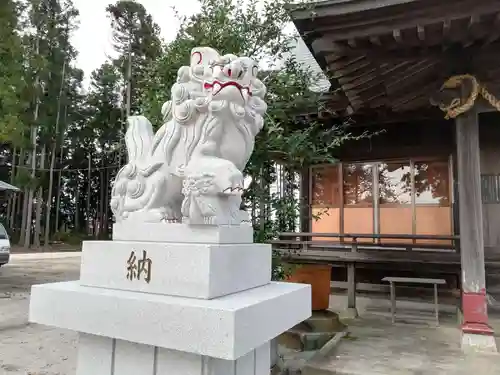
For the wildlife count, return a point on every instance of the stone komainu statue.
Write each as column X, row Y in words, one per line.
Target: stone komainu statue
column 192, row 168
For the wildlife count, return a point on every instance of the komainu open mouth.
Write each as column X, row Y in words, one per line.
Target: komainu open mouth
column 217, row 86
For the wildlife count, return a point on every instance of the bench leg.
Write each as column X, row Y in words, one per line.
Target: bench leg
column 351, row 311
column 393, row 302
column 351, row 286
column 436, row 304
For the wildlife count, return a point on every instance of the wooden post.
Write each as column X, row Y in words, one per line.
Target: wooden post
column 351, row 283
column 305, row 200
column 476, row 333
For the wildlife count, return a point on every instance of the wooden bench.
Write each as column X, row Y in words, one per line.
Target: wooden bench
column 352, row 251
column 413, row 280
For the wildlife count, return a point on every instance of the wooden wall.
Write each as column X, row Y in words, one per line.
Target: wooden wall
column 489, row 138
column 400, row 140
column 434, row 138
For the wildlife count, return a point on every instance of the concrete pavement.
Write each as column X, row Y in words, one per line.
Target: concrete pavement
column 32, row 349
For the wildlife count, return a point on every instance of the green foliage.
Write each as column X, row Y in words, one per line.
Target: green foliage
column 71, row 237
column 12, row 82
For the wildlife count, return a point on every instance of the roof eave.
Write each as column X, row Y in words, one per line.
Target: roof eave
column 330, row 8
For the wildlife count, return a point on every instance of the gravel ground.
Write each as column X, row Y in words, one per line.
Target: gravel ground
column 31, row 349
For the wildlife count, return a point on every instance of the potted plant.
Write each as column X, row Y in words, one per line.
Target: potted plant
column 318, row 276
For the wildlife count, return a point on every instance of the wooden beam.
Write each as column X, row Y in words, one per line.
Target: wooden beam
column 344, row 62
column 417, row 104
column 333, row 58
column 474, row 21
column 348, row 82
column 412, row 71
column 401, row 91
column 381, row 75
column 336, row 8
column 383, row 53
column 363, row 28
column 324, row 45
column 396, row 34
column 421, row 33
column 373, row 86
column 375, row 40
column 472, row 32
column 446, row 30
column 353, row 68
column 401, row 100
column 494, row 31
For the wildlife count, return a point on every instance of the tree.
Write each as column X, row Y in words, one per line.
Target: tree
column 105, row 121
column 13, row 94
column 136, row 39
column 67, row 53
column 12, row 82
column 45, row 62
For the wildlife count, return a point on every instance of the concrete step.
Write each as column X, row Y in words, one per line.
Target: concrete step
column 312, row 333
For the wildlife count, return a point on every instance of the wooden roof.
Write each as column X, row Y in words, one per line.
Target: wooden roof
column 393, row 55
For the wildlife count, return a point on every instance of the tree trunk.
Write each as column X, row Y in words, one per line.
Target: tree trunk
column 58, row 202
column 19, row 205
column 129, row 78
column 262, row 202
column 53, row 160
column 106, row 201
column 39, row 200
column 11, row 209
column 24, row 219
column 31, row 192
column 61, row 156
column 77, row 205
column 34, row 129
column 89, row 177
column 24, row 205
column 101, row 202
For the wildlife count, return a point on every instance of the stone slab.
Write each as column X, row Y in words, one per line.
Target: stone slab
column 180, row 232
column 186, row 270
column 106, row 356
column 478, row 343
column 227, row 327
column 375, row 346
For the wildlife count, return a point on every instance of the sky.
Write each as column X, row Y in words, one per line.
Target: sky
column 93, row 38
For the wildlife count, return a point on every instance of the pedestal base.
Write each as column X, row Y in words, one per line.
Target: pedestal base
column 191, row 270
column 477, row 335
column 478, row 343
column 149, row 304
column 177, row 232
column 106, row 356
column 227, row 327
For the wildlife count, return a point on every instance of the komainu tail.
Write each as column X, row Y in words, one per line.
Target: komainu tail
column 139, row 138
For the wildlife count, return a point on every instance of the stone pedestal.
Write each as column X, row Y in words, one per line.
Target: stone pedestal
column 149, row 304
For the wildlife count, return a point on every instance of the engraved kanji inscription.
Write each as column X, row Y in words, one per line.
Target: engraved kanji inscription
column 144, row 267
column 132, row 266
column 139, row 267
